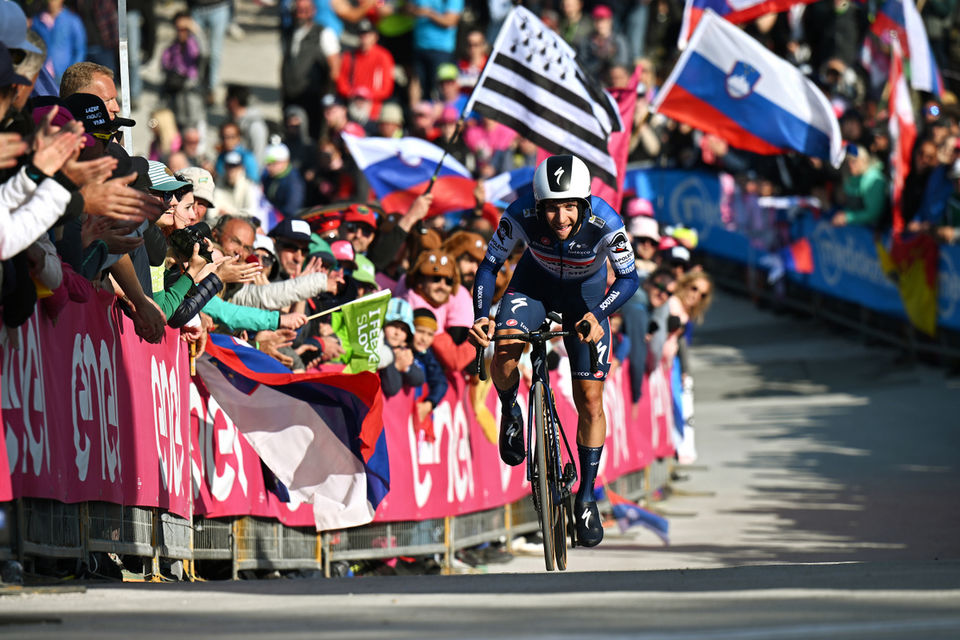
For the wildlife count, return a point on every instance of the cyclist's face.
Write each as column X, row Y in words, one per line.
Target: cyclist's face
column 561, row 216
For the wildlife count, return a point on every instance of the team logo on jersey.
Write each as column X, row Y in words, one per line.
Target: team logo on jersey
column 511, row 322
column 529, row 213
column 598, row 374
column 596, row 221
column 505, row 230
column 544, row 240
column 619, row 244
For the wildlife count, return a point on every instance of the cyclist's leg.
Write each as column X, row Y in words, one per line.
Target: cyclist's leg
column 518, row 313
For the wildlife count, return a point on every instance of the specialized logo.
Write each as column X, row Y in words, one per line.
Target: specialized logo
column 517, row 303
column 505, row 230
column 742, row 80
column 619, row 244
column 585, row 516
column 601, row 352
column 560, row 169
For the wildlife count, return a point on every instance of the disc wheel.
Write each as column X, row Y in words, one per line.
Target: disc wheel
column 541, row 485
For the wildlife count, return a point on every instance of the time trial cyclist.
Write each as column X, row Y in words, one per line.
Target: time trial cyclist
column 570, row 235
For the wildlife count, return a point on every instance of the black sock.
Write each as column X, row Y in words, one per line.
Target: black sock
column 508, row 396
column 589, row 463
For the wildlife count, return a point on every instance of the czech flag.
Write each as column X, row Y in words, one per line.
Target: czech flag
column 629, row 514
column 735, row 11
column 321, row 434
column 728, row 84
column 399, row 169
column 900, row 19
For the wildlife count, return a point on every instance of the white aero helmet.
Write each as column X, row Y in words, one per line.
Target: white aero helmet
column 563, row 177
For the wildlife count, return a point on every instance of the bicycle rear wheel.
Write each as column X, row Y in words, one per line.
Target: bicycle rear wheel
column 541, row 481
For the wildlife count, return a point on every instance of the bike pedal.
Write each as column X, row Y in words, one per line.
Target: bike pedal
column 569, row 474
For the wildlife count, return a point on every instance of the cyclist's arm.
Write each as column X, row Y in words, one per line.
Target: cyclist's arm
column 620, row 253
column 498, row 250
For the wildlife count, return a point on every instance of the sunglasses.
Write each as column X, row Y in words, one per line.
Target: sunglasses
column 645, row 241
column 168, row 196
column 662, row 288
column 437, row 279
column 697, row 290
column 359, row 227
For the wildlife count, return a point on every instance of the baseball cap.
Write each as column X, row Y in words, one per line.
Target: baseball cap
column 201, row 180
column 293, row 230
column 332, row 99
column 264, row 242
column 62, row 116
column 318, row 244
column 391, row 112
column 343, row 251
column 364, row 26
column 645, row 227
column 162, row 179
column 639, row 207
column 677, row 254
column 233, row 159
column 361, row 92
column 447, row 71
column 7, row 75
column 13, row 28
column 449, row 115
column 365, row 271
column 276, row 153
column 360, row 213
column 90, row 110
column 601, row 11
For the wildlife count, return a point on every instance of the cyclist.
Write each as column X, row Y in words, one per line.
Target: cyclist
column 569, row 235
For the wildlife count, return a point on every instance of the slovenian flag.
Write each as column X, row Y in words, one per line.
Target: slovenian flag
column 900, row 19
column 321, row 434
column 629, row 514
column 734, row 11
column 506, row 187
column 728, row 84
column 399, row 169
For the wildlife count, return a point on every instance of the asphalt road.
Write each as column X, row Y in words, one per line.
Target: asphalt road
column 823, row 505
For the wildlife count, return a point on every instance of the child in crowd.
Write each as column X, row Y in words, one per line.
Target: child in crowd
column 425, row 327
column 404, row 372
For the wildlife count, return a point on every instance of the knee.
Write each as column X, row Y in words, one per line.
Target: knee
column 590, row 402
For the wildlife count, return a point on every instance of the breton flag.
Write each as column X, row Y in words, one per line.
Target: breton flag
column 533, row 84
column 734, row 11
column 321, row 434
column 900, row 19
column 399, row 169
column 728, row 84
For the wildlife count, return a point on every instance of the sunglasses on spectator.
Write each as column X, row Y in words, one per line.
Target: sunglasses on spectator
column 698, row 291
column 168, row 196
column 438, row 279
column 645, row 241
column 662, row 288
column 359, row 227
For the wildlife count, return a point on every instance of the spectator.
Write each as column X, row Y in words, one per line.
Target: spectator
column 432, row 283
column 237, row 194
column 283, row 185
column 390, row 124
column 359, row 227
column 425, row 327
column 64, row 35
column 604, row 47
column 434, row 39
column 296, row 128
column 403, row 372
column 448, row 94
column 370, row 66
column 646, row 236
column 864, row 190
column 424, row 120
column 231, row 141
column 575, row 26
column 166, row 136
column 181, row 62
column 213, row 18
column 478, row 49
column 640, row 325
column 253, row 128
column 103, row 34
column 203, row 190
column 948, row 229
column 311, row 63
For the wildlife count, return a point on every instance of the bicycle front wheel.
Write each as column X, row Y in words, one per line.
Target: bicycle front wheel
column 541, row 484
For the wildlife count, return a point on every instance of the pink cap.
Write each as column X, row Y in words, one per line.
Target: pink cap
column 63, row 116
column 645, row 227
column 639, row 207
column 342, row 250
column 601, row 11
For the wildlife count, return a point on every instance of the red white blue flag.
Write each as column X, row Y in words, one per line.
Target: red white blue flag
column 399, row 169
column 900, row 20
column 629, row 514
column 903, row 133
column 735, row 11
column 321, row 434
column 728, row 84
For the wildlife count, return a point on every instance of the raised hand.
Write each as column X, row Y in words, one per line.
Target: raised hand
column 235, row 271
column 12, row 147
column 116, row 199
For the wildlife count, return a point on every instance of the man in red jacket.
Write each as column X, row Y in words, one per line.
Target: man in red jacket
column 370, row 66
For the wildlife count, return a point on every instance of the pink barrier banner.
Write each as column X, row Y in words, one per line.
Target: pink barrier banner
column 91, row 412
column 227, row 474
column 460, row 471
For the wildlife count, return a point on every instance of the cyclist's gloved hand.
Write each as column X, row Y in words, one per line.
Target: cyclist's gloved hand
column 481, row 332
column 596, row 331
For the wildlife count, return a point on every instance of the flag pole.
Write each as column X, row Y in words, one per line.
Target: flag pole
column 369, row 296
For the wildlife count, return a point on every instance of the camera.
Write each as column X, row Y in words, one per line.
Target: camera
column 182, row 241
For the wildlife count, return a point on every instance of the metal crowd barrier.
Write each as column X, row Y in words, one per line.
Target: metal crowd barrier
column 32, row 528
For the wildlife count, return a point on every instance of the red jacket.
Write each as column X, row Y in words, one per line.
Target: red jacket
column 372, row 69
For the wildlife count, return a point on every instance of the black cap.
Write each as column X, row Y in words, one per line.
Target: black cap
column 7, row 75
column 331, row 99
column 291, row 229
column 90, row 110
column 364, row 26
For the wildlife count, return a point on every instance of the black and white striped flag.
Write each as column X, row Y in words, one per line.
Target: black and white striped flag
column 533, row 84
